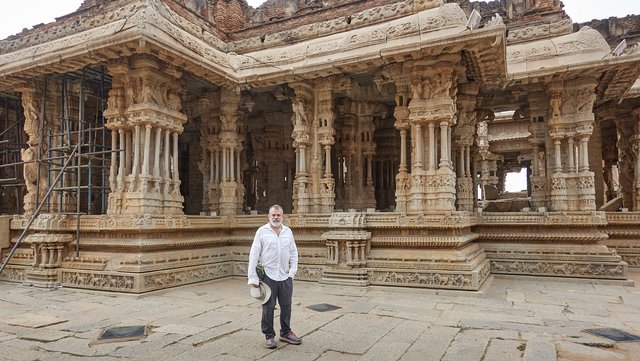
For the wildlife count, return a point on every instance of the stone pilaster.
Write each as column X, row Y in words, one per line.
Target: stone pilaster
column 571, row 126
column 144, row 110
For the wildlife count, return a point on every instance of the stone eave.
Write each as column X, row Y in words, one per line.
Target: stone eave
column 64, row 54
column 410, row 37
column 428, row 33
column 634, row 91
column 111, row 41
column 585, row 53
column 336, row 19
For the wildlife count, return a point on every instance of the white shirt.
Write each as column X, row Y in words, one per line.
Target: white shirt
column 278, row 254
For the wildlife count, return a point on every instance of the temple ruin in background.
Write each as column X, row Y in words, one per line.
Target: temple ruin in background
column 142, row 142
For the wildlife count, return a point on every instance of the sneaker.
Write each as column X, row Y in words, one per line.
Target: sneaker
column 270, row 343
column 291, row 338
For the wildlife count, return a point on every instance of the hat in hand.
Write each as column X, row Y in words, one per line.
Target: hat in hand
column 262, row 293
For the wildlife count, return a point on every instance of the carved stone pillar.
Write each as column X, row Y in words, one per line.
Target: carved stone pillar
column 144, row 101
column 326, row 133
column 302, row 141
column 538, row 110
column 31, row 95
column 401, row 114
column 464, row 132
column 231, row 188
column 573, row 186
column 488, row 161
column 608, row 140
column 365, row 151
column 207, row 109
column 636, row 152
column 432, row 114
column 626, row 160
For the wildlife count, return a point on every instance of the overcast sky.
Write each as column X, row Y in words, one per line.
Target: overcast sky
column 16, row 15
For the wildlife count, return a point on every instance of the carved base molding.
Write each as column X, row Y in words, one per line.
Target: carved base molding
column 584, row 261
column 44, row 278
column 623, row 229
column 456, row 280
column 345, row 277
column 438, row 250
column 557, row 244
column 14, row 273
column 628, row 249
column 141, row 283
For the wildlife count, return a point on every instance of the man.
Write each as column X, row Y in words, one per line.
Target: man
column 275, row 249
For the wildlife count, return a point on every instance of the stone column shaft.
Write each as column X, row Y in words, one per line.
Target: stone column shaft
column 156, row 151
column 114, row 161
column 147, row 150
column 432, row 147
column 136, row 152
column 176, row 176
column 468, row 161
column 558, row 156
column 403, row 150
column 584, row 154
column 444, row 141
column 167, row 162
column 570, row 153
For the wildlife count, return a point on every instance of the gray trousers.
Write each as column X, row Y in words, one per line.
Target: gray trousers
column 283, row 291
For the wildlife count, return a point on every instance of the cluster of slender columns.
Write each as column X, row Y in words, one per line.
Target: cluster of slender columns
column 145, row 126
column 145, row 159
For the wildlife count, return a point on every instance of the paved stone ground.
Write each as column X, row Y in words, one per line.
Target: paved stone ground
column 511, row 319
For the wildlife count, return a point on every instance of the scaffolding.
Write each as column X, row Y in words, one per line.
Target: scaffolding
column 83, row 187
column 74, row 153
column 11, row 141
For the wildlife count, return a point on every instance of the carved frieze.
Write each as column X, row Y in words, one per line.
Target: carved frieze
column 445, row 280
column 538, row 31
column 562, row 269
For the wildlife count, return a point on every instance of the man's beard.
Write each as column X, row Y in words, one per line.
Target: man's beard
column 275, row 223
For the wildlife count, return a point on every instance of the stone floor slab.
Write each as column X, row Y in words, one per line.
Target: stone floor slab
column 218, row 321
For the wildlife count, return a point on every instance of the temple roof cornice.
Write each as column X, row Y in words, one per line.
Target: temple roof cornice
column 581, row 54
column 151, row 27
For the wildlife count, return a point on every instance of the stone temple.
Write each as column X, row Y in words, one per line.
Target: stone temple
column 142, row 142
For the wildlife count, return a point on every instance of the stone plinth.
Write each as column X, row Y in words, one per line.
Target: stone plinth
column 438, row 250
column 556, row 244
